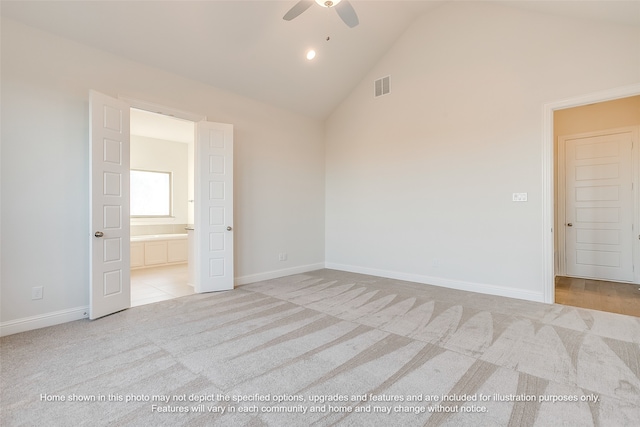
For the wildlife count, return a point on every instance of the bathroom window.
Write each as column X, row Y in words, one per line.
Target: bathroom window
column 150, row 193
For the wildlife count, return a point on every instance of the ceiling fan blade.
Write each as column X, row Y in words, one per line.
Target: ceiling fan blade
column 296, row 10
column 347, row 13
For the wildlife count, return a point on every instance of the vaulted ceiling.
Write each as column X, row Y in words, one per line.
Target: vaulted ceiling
column 247, row 48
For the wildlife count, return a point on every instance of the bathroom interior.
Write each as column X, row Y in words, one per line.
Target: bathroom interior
column 162, row 216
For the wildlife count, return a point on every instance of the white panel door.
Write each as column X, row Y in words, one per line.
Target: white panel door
column 599, row 206
column 214, row 207
column 110, row 287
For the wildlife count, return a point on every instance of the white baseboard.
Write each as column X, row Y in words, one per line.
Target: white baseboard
column 445, row 283
column 43, row 320
column 251, row 278
column 55, row 318
column 63, row 316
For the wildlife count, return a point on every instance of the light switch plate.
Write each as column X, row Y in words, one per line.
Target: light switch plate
column 519, row 197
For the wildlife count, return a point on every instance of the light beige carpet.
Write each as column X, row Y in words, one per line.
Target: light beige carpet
column 328, row 348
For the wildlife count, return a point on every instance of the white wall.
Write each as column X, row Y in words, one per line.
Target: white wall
column 279, row 171
column 159, row 155
column 419, row 182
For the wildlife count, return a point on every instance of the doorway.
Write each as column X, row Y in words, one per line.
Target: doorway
column 596, row 216
column 162, row 198
column 109, row 204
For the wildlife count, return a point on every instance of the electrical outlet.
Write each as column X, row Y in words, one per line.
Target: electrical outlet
column 519, row 197
column 36, row 292
column 282, row 256
column 436, row 262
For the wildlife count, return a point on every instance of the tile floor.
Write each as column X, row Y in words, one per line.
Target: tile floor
column 622, row 298
column 149, row 285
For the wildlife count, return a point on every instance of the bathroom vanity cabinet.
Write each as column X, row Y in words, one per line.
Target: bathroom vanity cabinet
column 153, row 251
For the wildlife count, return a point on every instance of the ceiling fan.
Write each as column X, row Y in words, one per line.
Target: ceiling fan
column 346, row 12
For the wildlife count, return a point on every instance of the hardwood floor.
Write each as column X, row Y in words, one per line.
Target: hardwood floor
column 622, row 298
column 149, row 285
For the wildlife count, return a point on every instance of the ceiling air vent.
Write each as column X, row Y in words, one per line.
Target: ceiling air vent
column 381, row 86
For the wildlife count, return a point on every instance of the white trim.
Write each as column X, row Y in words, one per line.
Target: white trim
column 561, row 217
column 162, row 109
column 275, row 274
column 548, row 214
column 43, row 320
column 636, row 204
column 548, row 273
column 445, row 283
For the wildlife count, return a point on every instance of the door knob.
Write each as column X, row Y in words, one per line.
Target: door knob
column 569, row 225
column 99, row 234
column 229, row 228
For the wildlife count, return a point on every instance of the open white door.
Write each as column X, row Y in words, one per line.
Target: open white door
column 110, row 288
column 213, row 214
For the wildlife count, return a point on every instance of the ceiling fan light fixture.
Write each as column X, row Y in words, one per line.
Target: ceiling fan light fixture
column 343, row 8
column 328, row 3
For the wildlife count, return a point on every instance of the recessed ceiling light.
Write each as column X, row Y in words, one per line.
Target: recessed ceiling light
column 311, row 54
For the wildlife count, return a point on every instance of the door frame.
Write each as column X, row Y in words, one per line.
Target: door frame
column 561, row 199
column 548, row 158
column 162, row 109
